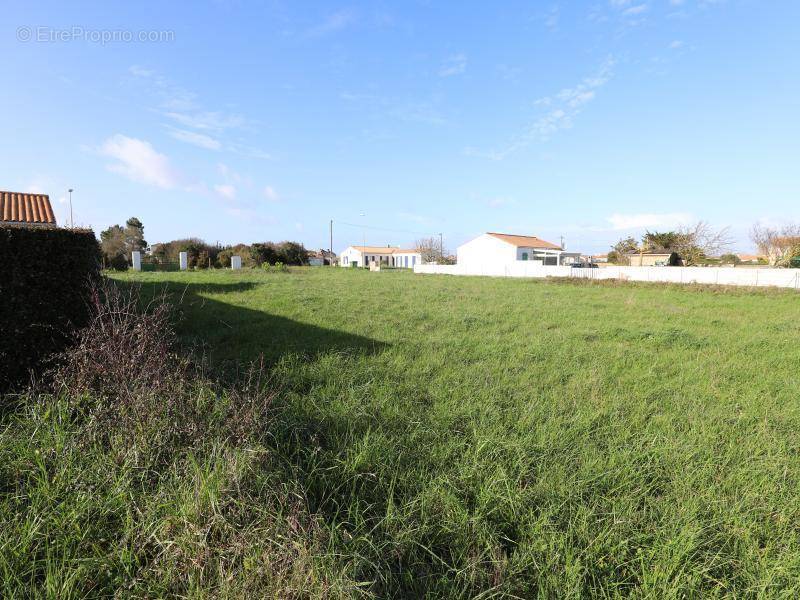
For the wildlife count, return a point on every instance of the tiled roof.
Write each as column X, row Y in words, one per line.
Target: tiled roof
column 26, row 208
column 384, row 250
column 526, row 241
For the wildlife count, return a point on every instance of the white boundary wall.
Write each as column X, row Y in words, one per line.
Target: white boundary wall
column 786, row 278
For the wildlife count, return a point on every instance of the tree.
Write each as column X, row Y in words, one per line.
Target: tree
column 118, row 242
column 431, row 249
column 730, row 259
column 113, row 247
column 292, row 253
column 692, row 244
column 620, row 250
column 780, row 245
column 667, row 241
column 242, row 250
column 134, row 235
column 266, row 252
column 701, row 240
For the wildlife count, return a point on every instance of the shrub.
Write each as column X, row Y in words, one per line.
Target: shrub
column 134, row 474
column 43, row 289
column 124, row 374
column 278, row 267
column 290, row 253
column 117, row 262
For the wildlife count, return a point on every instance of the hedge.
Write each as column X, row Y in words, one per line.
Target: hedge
column 44, row 278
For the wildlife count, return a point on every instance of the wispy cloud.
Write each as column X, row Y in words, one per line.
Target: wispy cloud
column 621, row 222
column 552, row 17
column 562, row 109
column 207, row 120
column 226, row 191
column 270, row 194
column 139, row 161
column 200, row 140
column 191, row 122
column 453, row 65
column 333, row 23
column 631, row 12
column 636, row 9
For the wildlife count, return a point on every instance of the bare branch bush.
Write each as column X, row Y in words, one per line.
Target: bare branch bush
column 128, row 380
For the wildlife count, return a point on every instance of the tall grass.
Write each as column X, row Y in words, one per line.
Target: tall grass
column 422, row 436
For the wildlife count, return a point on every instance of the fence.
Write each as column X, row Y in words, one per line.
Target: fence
column 786, row 278
column 156, row 266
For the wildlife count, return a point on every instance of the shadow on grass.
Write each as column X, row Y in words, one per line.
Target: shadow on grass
column 230, row 335
column 315, row 439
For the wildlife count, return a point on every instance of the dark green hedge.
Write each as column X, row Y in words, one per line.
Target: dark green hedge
column 44, row 278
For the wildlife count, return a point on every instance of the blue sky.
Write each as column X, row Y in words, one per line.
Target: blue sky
column 247, row 121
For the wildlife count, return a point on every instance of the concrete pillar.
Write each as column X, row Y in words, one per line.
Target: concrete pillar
column 236, row 262
column 136, row 258
column 184, row 258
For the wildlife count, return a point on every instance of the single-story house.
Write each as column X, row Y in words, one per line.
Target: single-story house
column 364, row 256
column 492, row 249
column 653, row 259
column 753, row 259
column 26, row 210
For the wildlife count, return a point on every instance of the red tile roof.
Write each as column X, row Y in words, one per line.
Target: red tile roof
column 525, row 241
column 26, row 208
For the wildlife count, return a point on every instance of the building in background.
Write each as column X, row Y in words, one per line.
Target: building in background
column 753, row 259
column 321, row 257
column 26, row 210
column 493, row 249
column 387, row 256
column 653, row 259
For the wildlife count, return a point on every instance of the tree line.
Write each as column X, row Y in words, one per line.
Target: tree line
column 702, row 244
column 691, row 245
column 118, row 242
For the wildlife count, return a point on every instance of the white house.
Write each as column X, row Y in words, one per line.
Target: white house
column 491, row 250
column 361, row 256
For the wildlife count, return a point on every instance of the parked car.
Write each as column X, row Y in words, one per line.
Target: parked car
column 584, row 265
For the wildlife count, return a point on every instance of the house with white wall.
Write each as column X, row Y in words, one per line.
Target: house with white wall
column 388, row 256
column 492, row 250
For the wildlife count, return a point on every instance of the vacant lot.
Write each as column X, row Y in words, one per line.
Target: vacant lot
column 465, row 436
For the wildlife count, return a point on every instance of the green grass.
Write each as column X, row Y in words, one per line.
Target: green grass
column 449, row 437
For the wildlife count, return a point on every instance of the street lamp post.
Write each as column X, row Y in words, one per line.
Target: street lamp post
column 71, row 222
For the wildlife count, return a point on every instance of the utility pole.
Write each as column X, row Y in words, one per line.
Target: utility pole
column 71, row 222
column 441, row 248
column 364, row 242
column 330, row 249
column 562, row 243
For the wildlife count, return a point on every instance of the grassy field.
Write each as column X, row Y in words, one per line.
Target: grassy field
column 477, row 437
